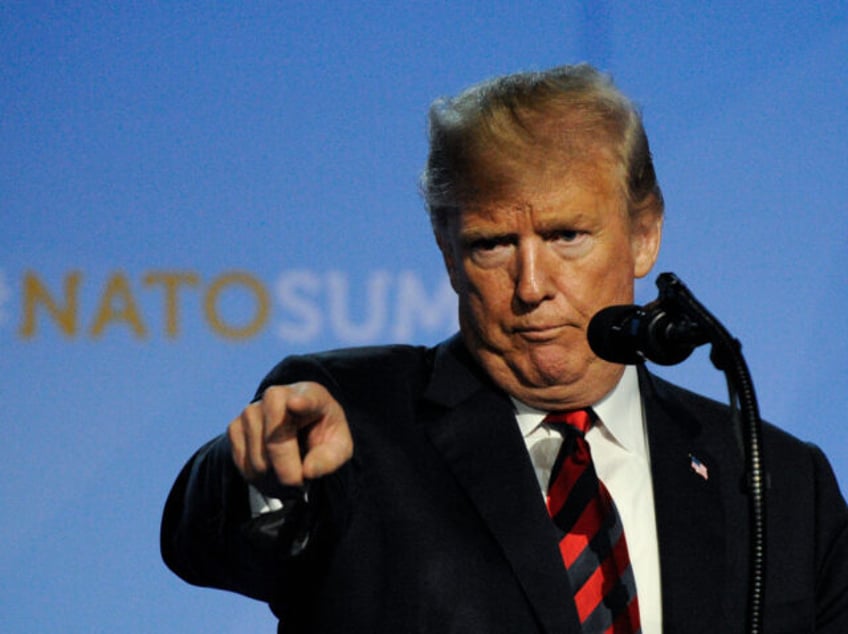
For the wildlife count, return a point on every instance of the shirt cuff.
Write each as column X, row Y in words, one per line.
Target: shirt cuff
column 261, row 504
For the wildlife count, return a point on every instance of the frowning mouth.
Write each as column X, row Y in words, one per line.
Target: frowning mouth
column 540, row 333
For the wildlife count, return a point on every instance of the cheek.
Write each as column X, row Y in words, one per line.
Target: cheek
column 600, row 281
column 486, row 296
column 495, row 294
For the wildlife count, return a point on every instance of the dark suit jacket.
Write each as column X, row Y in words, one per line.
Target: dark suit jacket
column 437, row 524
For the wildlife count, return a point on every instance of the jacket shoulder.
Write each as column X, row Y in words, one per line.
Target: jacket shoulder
column 717, row 417
column 356, row 370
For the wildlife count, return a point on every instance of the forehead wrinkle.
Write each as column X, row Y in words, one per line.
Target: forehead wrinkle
column 496, row 212
column 549, row 199
column 507, row 180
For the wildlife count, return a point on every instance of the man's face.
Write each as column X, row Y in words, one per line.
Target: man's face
column 533, row 264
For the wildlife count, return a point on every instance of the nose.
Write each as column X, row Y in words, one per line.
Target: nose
column 533, row 276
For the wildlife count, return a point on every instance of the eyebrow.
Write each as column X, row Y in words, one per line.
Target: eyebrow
column 473, row 237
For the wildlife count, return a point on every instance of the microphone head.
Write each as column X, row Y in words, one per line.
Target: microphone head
column 613, row 332
column 634, row 334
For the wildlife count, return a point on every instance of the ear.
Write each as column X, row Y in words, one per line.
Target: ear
column 645, row 238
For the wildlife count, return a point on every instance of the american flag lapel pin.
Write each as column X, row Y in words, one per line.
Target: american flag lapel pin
column 698, row 467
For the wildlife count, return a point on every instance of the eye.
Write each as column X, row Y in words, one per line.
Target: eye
column 568, row 235
column 489, row 251
column 487, row 244
column 570, row 243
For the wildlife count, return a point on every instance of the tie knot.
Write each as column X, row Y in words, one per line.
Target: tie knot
column 579, row 419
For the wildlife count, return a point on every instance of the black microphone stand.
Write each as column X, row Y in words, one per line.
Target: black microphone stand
column 726, row 356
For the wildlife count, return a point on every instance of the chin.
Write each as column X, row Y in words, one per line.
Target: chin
column 554, row 365
column 567, row 381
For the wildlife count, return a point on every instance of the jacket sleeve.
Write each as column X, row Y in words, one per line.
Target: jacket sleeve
column 209, row 537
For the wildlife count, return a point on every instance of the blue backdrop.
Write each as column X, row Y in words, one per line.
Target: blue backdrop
column 190, row 191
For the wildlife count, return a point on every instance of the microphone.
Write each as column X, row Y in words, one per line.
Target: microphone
column 634, row 334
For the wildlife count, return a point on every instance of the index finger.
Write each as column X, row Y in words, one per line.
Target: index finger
column 280, row 434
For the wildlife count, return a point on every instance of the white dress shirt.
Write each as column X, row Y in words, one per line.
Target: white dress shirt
column 619, row 447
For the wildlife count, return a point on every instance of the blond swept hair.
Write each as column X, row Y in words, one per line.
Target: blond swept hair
column 561, row 111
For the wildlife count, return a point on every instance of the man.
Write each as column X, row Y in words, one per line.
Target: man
column 403, row 489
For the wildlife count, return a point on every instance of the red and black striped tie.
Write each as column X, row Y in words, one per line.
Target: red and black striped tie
column 592, row 542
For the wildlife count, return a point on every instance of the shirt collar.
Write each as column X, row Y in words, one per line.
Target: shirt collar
column 620, row 412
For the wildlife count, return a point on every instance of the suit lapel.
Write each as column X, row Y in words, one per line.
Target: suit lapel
column 474, row 428
column 691, row 517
